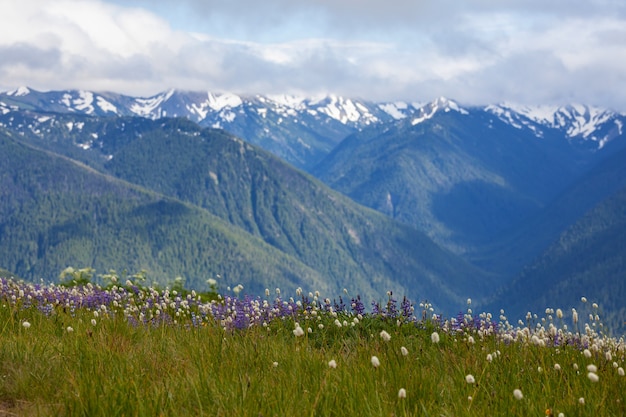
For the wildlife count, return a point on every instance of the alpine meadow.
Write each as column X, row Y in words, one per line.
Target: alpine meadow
column 200, row 253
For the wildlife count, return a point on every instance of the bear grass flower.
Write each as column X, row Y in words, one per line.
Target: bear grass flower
column 434, row 337
column 404, row 351
column 332, row 364
column 26, row 325
column 517, row 393
column 469, row 378
column 375, row 362
column 593, row 377
column 298, row 331
column 401, row 393
column 385, row 336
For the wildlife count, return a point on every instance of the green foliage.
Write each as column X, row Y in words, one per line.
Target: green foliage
column 199, row 202
column 348, row 245
column 73, row 277
column 588, row 259
column 55, row 213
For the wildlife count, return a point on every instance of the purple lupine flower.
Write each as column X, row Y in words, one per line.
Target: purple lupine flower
column 407, row 308
column 376, row 311
column 391, row 309
column 357, row 305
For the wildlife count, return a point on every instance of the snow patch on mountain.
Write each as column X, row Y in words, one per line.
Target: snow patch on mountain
column 106, row 106
column 285, row 100
column 395, row 110
column 19, row 92
column 620, row 126
column 221, row 101
column 84, row 102
column 576, row 120
column 441, row 104
column 344, row 110
column 145, row 107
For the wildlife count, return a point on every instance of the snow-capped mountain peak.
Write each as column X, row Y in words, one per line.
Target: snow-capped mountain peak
column 427, row 111
column 339, row 114
column 218, row 102
column 576, row 120
column 19, row 92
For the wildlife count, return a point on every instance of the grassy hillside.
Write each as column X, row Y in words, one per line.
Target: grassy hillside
column 145, row 352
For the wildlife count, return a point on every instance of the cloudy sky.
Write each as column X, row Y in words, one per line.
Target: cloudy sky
column 474, row 51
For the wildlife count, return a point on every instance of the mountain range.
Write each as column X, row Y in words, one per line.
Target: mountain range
column 486, row 191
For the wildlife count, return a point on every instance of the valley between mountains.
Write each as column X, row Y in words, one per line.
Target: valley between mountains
column 517, row 207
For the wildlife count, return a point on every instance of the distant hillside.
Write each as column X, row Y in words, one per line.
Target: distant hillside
column 589, row 259
column 290, row 210
column 512, row 250
column 462, row 176
column 8, row 274
column 55, row 212
column 578, row 248
column 289, row 229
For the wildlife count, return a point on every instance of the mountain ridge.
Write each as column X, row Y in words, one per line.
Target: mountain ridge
column 303, row 130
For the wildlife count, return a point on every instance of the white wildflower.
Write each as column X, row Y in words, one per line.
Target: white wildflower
column 298, row 331
column 518, row 394
column 375, row 362
column 385, row 336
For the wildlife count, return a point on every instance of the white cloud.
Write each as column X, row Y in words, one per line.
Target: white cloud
column 475, row 51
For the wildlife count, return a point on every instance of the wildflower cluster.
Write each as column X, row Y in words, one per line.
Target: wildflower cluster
column 391, row 337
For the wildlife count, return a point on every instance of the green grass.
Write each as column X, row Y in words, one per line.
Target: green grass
column 114, row 368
